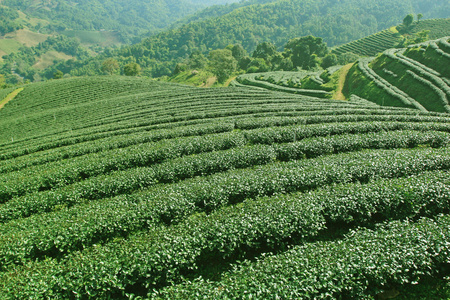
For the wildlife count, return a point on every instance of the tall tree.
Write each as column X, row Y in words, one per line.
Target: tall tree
column 222, row 63
column 408, row 20
column 304, row 50
column 419, row 16
column 110, row 66
column 132, row 69
column 264, row 50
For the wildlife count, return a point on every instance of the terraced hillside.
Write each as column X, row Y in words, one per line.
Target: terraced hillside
column 319, row 84
column 117, row 187
column 372, row 44
column 416, row 77
column 284, row 81
column 390, row 38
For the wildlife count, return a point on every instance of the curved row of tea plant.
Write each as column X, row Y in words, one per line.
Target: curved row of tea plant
column 220, row 122
column 407, row 100
column 235, row 232
column 249, row 79
column 61, row 173
column 81, row 226
column 364, row 264
column 126, row 193
column 416, row 75
column 371, row 45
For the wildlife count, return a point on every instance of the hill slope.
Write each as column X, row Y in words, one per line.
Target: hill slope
column 130, row 17
column 116, row 187
column 418, row 77
column 391, row 38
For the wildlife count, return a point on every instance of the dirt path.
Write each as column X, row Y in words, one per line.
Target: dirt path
column 10, row 96
column 342, row 76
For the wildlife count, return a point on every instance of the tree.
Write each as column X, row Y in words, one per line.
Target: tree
column 132, row 69
column 179, row 68
column 419, row 16
column 110, row 66
column 408, row 20
column 347, row 57
column 197, row 60
column 238, row 52
column 58, row 74
column 222, row 64
column 264, row 50
column 329, row 60
column 2, row 81
column 304, row 51
column 258, row 65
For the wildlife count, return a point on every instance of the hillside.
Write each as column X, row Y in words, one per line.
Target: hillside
column 416, row 77
column 337, row 22
column 118, row 187
column 131, row 17
column 391, row 38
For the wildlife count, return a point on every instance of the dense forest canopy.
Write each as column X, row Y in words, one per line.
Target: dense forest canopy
column 128, row 16
column 245, row 23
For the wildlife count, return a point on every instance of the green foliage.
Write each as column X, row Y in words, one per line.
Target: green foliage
column 303, row 51
column 408, row 20
column 252, row 23
column 131, row 17
column 399, row 78
column 365, row 263
column 9, row 22
column 110, row 66
column 329, row 60
column 132, row 69
column 58, row 75
column 222, row 64
column 125, row 187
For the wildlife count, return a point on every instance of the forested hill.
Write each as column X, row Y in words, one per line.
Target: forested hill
column 127, row 16
column 337, row 22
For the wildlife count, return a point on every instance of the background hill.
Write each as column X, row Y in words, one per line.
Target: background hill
column 391, row 38
column 249, row 24
column 417, row 77
column 131, row 17
column 118, row 187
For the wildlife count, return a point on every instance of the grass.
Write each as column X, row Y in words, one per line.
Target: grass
column 8, row 46
column 341, row 77
column 47, row 59
column 10, row 97
column 101, row 38
column 27, row 37
column 194, row 78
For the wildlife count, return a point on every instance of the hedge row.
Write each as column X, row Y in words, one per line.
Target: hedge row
column 129, row 181
column 163, row 255
column 441, row 94
column 47, row 141
column 423, row 70
column 392, row 90
column 263, row 84
column 438, row 50
column 110, row 143
column 366, row 263
column 71, row 229
column 63, row 172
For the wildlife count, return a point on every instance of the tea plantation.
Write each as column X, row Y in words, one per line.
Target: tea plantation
column 390, row 38
column 125, row 188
